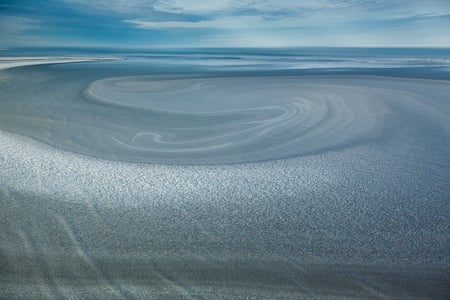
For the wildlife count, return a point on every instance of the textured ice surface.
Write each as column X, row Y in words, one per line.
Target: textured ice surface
column 355, row 205
column 200, row 120
column 187, row 119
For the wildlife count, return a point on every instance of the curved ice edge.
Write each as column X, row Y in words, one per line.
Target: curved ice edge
column 22, row 61
column 17, row 140
column 178, row 162
column 62, row 173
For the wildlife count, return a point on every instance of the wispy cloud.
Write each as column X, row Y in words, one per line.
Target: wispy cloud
column 18, row 29
column 235, row 14
column 269, row 6
column 291, row 6
column 196, row 6
column 227, row 22
column 246, row 7
column 216, row 22
column 119, row 6
column 17, row 25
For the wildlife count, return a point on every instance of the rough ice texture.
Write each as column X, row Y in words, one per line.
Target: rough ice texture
column 356, row 206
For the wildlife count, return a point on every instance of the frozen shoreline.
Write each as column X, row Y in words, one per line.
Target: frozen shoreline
column 8, row 62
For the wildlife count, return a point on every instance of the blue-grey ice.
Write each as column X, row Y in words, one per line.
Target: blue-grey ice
column 126, row 182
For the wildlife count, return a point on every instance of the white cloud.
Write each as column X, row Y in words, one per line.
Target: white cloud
column 257, row 21
column 271, row 6
column 241, row 23
column 196, row 6
column 227, row 6
column 120, row 6
column 232, row 22
column 285, row 22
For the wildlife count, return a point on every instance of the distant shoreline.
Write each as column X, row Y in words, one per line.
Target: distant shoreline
column 12, row 62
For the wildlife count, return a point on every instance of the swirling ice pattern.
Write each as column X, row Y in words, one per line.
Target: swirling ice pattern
column 224, row 120
column 196, row 120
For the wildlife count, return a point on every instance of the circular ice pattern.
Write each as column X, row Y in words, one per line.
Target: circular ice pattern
column 196, row 120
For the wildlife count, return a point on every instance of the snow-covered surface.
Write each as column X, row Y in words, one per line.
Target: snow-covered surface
column 362, row 214
column 12, row 62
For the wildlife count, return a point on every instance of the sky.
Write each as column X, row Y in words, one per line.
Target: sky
column 225, row 23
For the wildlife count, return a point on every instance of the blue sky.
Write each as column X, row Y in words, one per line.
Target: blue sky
column 225, row 23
